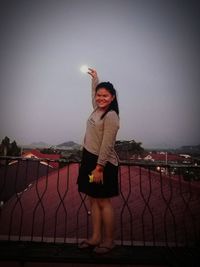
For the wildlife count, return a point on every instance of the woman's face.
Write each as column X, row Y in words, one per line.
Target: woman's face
column 103, row 98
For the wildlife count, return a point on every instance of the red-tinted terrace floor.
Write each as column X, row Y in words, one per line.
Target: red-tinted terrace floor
column 14, row 254
column 40, row 264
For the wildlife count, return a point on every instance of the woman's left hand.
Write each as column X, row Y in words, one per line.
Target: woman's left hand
column 92, row 73
column 98, row 175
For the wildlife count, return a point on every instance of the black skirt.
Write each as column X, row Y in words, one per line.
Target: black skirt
column 108, row 189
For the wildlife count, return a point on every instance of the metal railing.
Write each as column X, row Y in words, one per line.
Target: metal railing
column 158, row 204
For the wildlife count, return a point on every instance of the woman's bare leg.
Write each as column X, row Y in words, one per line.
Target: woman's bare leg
column 107, row 214
column 96, row 222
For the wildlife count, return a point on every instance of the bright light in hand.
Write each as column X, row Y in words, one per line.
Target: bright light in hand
column 84, row 68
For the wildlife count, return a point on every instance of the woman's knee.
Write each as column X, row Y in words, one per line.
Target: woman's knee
column 103, row 202
column 93, row 201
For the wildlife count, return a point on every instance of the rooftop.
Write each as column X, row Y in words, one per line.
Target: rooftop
column 157, row 218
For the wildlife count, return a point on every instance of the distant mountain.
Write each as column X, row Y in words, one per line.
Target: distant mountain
column 68, row 145
column 38, row 145
column 190, row 149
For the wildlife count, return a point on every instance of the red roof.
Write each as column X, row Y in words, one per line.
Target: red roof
column 52, row 207
column 18, row 175
column 166, row 157
column 37, row 154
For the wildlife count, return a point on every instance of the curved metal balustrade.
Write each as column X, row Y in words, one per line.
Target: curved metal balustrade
column 158, row 204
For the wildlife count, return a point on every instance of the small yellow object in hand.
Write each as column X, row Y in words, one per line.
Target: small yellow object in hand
column 91, row 178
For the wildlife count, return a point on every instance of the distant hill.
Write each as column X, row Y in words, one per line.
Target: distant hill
column 189, row 149
column 68, row 145
column 38, row 145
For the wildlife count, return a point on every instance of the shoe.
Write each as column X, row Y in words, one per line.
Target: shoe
column 85, row 245
column 103, row 249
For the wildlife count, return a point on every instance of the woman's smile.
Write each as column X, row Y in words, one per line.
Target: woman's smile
column 103, row 98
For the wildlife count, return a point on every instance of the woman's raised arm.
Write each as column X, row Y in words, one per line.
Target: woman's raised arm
column 95, row 81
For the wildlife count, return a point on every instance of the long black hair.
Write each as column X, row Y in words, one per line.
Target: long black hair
column 114, row 104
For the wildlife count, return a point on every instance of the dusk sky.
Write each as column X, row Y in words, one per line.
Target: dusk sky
column 148, row 49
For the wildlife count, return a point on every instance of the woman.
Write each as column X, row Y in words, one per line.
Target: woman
column 98, row 174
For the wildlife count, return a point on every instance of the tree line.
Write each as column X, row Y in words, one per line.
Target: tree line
column 8, row 148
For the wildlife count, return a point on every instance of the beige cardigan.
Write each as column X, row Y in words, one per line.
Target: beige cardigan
column 100, row 133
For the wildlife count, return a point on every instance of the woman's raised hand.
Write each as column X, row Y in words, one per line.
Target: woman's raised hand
column 92, row 73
